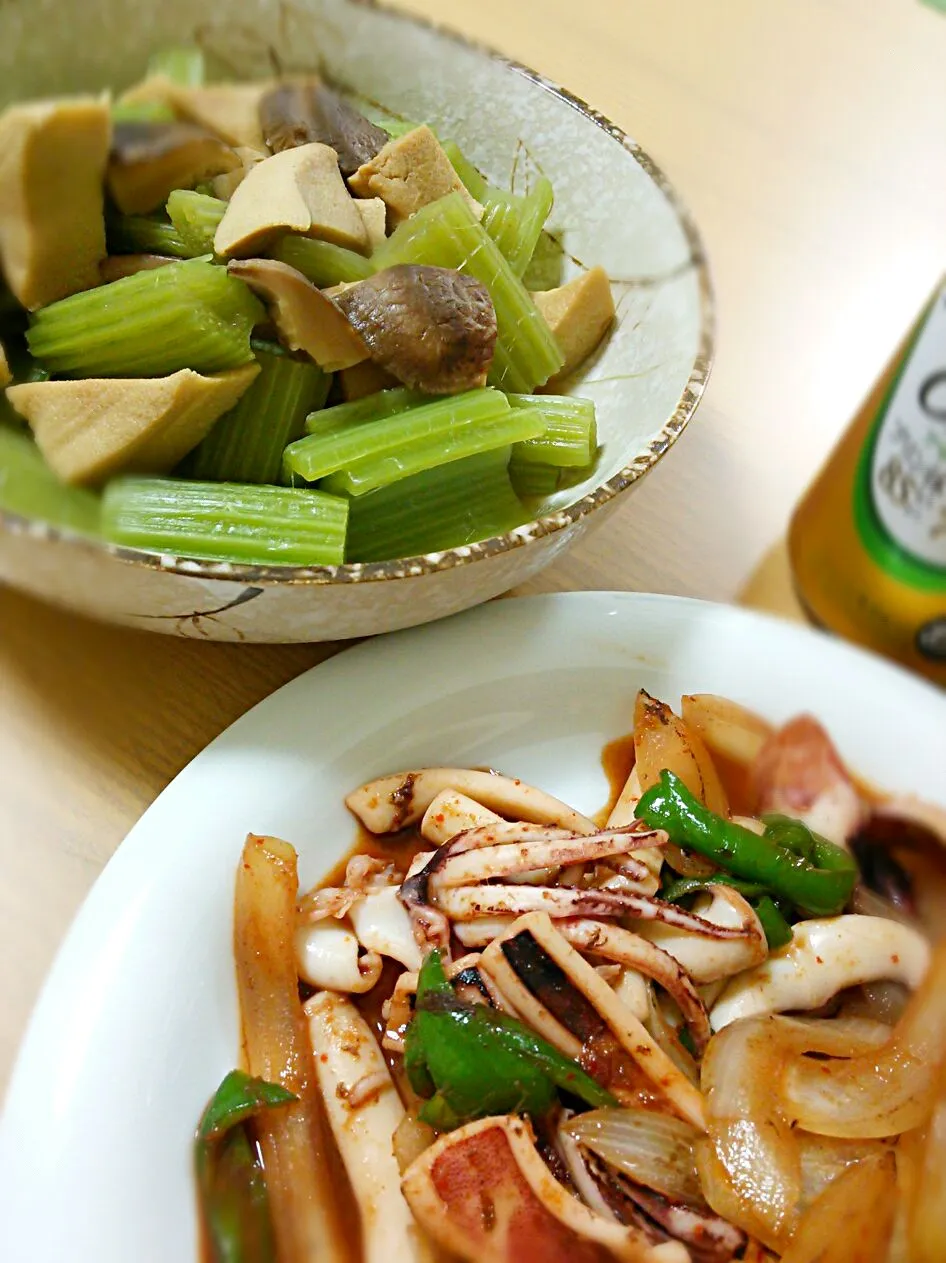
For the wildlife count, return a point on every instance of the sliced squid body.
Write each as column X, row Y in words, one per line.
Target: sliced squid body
column 529, row 975
column 364, row 1110
column 709, row 959
column 383, row 927
column 823, row 958
column 450, row 813
column 494, row 1164
column 396, row 801
column 327, row 955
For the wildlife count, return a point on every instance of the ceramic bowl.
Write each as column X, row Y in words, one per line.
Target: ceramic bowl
column 613, row 207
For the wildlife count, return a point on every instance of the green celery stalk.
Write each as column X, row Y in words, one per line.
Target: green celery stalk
column 186, row 315
column 502, row 219
column 465, row 437
column 474, row 182
column 515, row 223
column 143, row 234
column 383, row 403
column 429, row 427
column 458, row 503
column 531, row 481
column 446, row 234
column 246, row 445
column 29, row 487
column 142, row 112
column 183, row 65
column 324, row 263
column 196, row 217
column 570, row 436
column 225, row 521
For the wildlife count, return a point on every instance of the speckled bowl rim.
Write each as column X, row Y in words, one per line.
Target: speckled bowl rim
column 549, row 524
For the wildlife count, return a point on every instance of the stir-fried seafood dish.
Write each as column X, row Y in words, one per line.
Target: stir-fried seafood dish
column 708, row 1025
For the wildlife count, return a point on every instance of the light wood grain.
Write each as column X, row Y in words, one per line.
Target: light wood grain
column 807, row 137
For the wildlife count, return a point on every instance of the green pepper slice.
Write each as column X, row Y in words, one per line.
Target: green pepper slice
column 791, row 863
column 471, row 1061
column 231, row 1187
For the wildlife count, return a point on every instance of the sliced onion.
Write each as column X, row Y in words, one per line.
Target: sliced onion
column 852, row 1220
column 926, row 1228
column 846, row 1036
column 881, row 1092
column 824, row 1158
column 883, row 1001
column 869, row 904
column 752, row 1140
column 411, row 1137
column 726, row 727
column 685, row 863
column 654, row 1149
column 662, row 740
column 723, row 1198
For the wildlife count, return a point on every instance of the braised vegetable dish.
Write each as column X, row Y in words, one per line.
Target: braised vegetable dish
column 245, row 322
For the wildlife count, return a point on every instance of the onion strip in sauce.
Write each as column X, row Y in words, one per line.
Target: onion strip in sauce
column 293, row 1140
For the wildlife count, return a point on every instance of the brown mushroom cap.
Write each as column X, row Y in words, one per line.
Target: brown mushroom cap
column 433, row 328
column 149, row 160
column 299, row 113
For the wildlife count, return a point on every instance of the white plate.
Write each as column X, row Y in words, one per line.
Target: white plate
column 138, row 1020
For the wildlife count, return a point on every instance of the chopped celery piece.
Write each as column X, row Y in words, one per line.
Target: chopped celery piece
column 246, row 445
column 226, row 521
column 570, row 436
column 546, row 269
column 184, row 66
column 323, row 262
column 474, row 182
column 446, row 234
column 383, row 403
column 428, row 428
column 196, row 217
column 30, row 488
column 142, row 234
column 465, row 438
column 142, row 112
column 459, row 503
column 515, row 223
column 502, row 220
column 185, row 315
column 531, row 481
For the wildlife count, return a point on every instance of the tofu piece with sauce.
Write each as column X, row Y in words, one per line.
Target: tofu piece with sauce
column 53, row 156
column 230, row 110
column 410, row 172
column 579, row 315
column 95, row 427
column 299, row 190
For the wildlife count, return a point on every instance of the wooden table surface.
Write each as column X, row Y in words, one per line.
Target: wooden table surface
column 808, row 138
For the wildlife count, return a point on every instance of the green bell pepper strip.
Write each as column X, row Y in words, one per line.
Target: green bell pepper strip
column 680, row 887
column 808, row 871
column 471, row 1061
column 778, row 932
column 230, row 1181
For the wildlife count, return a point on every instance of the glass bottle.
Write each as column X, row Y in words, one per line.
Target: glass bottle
column 868, row 542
